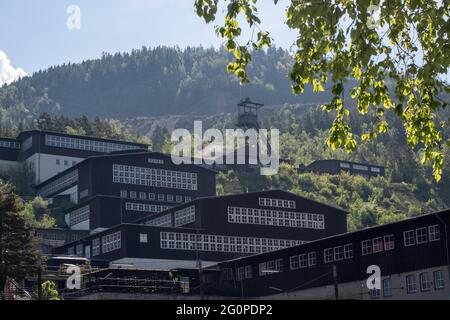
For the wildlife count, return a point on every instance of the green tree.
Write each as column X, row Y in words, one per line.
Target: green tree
column 397, row 63
column 49, row 291
column 38, row 213
column 17, row 254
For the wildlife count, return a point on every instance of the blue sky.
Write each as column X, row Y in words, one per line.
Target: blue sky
column 33, row 33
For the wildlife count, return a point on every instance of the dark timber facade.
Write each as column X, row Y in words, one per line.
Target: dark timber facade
column 412, row 255
column 338, row 166
column 123, row 186
column 213, row 229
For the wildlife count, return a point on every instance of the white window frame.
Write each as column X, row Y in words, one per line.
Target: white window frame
column 439, row 279
column 409, row 238
column 377, row 245
column 421, row 235
column 389, row 242
column 143, row 238
column 387, row 289
column 425, row 281
column 411, row 286
column 434, row 233
column 366, row 247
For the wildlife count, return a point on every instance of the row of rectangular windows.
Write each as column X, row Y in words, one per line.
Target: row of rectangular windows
column 79, row 215
column 85, row 144
column 151, row 196
column 162, row 221
column 9, row 144
column 359, row 167
column 145, row 207
column 154, row 177
column 338, row 253
column 303, row 260
column 378, row 244
column 59, row 183
column 421, row 235
column 426, row 284
column 236, row 244
column 184, row 216
column 276, row 218
column 278, row 203
column 111, row 242
column 346, row 251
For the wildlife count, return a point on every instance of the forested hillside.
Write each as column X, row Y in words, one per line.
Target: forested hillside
column 149, row 82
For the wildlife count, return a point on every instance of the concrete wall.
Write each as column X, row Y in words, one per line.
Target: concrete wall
column 45, row 167
column 358, row 290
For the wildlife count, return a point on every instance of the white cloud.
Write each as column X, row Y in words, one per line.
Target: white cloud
column 8, row 73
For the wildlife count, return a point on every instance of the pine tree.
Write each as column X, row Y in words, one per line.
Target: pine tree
column 17, row 254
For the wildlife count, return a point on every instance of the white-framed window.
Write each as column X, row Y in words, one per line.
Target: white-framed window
column 294, row 262
column 270, row 267
column 338, row 253
column 421, row 235
column 143, row 195
column 184, row 216
column 187, row 198
column 143, row 238
column 123, row 193
column 95, row 247
column 151, row 196
column 59, row 184
column 154, row 177
column 145, row 207
column 328, row 255
column 179, row 198
column 222, row 243
column 439, row 280
column 389, row 242
column 303, row 260
column 409, row 238
column 277, row 203
column 170, row 197
column 375, row 293
column 312, row 258
column 133, row 195
column 434, row 233
column 425, row 281
column 348, row 251
column 375, row 169
column 411, row 284
column 377, row 244
column 79, row 215
column 387, row 287
column 248, row 272
column 273, row 217
column 161, row 197
column 86, row 144
column 161, row 221
column 366, row 247
column 155, row 161
column 111, row 242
